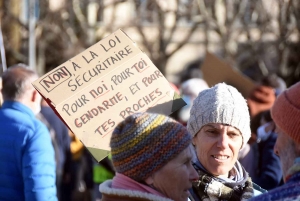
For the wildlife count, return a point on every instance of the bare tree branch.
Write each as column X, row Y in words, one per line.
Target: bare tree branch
column 184, row 40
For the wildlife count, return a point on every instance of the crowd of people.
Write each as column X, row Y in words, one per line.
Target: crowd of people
column 41, row 159
column 221, row 146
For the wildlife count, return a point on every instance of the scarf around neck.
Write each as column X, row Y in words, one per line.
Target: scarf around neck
column 235, row 188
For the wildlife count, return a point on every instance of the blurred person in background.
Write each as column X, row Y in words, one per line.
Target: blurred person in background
column 102, row 171
column 81, row 171
column 262, row 164
column 260, row 99
column 77, row 149
column 27, row 161
column 189, row 91
column 192, row 70
column 286, row 116
column 261, row 144
column 62, row 141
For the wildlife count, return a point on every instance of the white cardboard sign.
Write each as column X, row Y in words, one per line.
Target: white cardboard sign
column 95, row 90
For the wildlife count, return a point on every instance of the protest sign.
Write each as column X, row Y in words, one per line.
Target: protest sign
column 98, row 88
column 215, row 71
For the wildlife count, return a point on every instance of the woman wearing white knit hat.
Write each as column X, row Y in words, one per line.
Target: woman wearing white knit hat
column 220, row 126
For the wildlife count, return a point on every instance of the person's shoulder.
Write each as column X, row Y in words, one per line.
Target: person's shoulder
column 21, row 122
column 38, row 126
column 35, row 131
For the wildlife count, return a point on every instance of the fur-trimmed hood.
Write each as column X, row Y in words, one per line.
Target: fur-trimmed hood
column 112, row 194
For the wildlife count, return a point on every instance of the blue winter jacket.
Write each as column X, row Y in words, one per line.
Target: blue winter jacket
column 27, row 163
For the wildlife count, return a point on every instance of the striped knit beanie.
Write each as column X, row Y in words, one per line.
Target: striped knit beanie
column 220, row 104
column 144, row 142
column 286, row 112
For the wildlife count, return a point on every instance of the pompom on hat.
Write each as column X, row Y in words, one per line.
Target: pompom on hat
column 286, row 112
column 220, row 104
column 144, row 142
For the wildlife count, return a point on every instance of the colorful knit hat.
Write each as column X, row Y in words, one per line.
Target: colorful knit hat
column 220, row 104
column 144, row 142
column 286, row 112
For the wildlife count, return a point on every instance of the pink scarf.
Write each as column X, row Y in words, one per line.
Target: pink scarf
column 121, row 181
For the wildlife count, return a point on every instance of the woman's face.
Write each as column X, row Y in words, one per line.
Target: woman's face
column 175, row 178
column 217, row 147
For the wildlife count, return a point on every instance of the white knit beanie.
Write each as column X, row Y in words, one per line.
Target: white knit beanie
column 220, row 104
